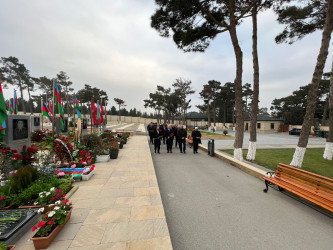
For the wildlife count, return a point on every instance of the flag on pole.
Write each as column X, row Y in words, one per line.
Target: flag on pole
column 58, row 100
column 3, row 113
column 50, row 106
column 11, row 109
column 15, row 103
column 101, row 116
column 46, row 112
column 78, row 108
column 98, row 112
column 93, row 108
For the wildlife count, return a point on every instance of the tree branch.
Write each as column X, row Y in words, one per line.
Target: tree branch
column 213, row 18
column 246, row 10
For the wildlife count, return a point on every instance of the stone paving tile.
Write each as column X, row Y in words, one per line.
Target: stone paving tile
column 108, row 215
column 135, row 184
column 79, row 215
column 132, row 201
column 155, row 200
column 121, row 192
column 129, row 231
column 151, row 244
column 98, row 203
column 92, row 182
column 68, row 232
column 147, row 212
column 161, row 228
column 153, row 183
column 89, row 235
column 146, row 191
column 57, row 245
column 108, row 246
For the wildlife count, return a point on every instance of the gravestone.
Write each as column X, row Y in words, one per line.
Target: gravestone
column 58, row 126
column 84, row 125
column 35, row 123
column 18, row 130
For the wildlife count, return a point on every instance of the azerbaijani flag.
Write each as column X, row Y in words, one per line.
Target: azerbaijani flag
column 15, row 103
column 3, row 113
column 101, row 116
column 58, row 100
column 93, row 108
column 98, row 112
column 46, row 112
column 50, row 106
column 78, row 109
column 11, row 109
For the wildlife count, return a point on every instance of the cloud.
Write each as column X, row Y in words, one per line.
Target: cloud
column 110, row 45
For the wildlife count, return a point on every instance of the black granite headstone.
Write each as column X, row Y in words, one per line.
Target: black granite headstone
column 17, row 133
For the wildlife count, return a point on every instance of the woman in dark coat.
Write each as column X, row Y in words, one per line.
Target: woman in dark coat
column 157, row 136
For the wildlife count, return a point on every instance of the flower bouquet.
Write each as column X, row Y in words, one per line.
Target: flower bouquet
column 51, row 224
column 113, row 150
column 88, row 173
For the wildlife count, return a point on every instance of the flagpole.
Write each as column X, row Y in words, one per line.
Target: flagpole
column 41, row 110
column 53, row 120
column 74, row 118
column 91, row 119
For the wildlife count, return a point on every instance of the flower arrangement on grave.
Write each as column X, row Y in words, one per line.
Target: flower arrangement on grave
column 7, row 200
column 52, row 219
column 38, row 135
column 28, row 155
column 60, row 150
column 50, row 197
column 88, row 170
column 91, row 141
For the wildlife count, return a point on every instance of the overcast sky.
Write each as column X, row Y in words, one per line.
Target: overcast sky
column 110, row 45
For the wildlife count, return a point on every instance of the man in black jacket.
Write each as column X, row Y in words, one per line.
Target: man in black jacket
column 169, row 135
column 196, row 139
column 157, row 135
column 182, row 134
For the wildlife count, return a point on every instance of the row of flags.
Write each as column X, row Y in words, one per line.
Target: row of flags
column 97, row 112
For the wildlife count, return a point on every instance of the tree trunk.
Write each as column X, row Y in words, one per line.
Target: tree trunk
column 214, row 113
column 208, row 114
column 312, row 95
column 328, row 153
column 30, row 103
column 324, row 120
column 238, row 86
column 251, row 155
column 22, row 100
column 225, row 114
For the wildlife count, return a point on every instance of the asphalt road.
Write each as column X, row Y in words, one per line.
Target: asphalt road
column 210, row 204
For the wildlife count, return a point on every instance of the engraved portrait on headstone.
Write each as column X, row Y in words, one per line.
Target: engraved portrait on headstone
column 20, row 129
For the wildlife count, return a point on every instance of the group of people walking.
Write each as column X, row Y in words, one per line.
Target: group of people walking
column 170, row 133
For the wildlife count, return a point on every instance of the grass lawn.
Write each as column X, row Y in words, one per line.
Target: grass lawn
column 211, row 133
column 313, row 159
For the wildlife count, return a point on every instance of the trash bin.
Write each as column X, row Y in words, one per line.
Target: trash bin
column 318, row 133
column 325, row 134
column 211, row 147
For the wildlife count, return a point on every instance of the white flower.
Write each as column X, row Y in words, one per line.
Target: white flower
column 41, row 196
column 50, row 205
column 41, row 210
column 35, row 203
column 57, row 202
column 51, row 214
column 41, row 193
column 48, row 193
column 52, row 189
column 56, row 208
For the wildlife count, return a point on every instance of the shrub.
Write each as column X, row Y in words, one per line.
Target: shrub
column 22, row 178
column 92, row 141
column 225, row 132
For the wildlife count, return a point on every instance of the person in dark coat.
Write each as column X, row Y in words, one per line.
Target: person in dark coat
column 162, row 132
column 182, row 134
column 150, row 132
column 196, row 139
column 175, row 131
column 169, row 135
column 157, row 139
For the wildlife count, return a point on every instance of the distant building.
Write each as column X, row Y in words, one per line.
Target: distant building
column 195, row 119
column 266, row 124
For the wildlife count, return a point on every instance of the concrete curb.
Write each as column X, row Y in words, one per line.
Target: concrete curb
column 239, row 164
column 72, row 191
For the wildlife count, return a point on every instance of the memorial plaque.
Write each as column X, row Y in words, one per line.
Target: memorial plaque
column 58, row 126
column 35, row 123
column 17, row 133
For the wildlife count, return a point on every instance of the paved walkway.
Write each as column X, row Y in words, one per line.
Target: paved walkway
column 210, row 204
column 118, row 208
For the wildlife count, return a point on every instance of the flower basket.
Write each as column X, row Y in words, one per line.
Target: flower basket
column 86, row 177
column 102, row 158
column 44, row 242
column 114, row 154
column 121, row 145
